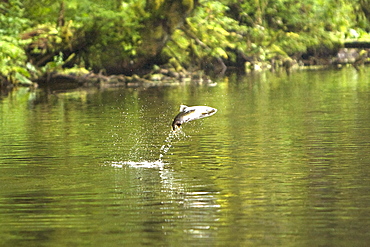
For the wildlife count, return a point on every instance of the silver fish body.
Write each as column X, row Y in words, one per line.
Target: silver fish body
column 190, row 113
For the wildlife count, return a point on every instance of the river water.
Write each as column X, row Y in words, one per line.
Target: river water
column 284, row 162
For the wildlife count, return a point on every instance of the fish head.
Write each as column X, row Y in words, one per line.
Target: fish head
column 183, row 117
column 176, row 125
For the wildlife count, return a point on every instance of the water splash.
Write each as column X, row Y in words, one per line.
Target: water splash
column 168, row 142
column 159, row 163
column 139, row 164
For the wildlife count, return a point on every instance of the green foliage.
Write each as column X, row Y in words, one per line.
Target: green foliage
column 110, row 33
column 106, row 31
column 13, row 65
column 265, row 29
column 208, row 33
column 116, row 29
column 13, row 60
column 11, row 18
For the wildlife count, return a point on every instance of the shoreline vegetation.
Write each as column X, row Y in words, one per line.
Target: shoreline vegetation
column 159, row 42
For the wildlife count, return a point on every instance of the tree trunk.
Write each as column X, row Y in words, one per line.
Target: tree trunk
column 166, row 17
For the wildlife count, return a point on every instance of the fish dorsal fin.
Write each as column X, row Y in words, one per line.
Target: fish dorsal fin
column 183, row 107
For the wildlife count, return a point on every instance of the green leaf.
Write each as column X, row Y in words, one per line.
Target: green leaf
column 22, row 79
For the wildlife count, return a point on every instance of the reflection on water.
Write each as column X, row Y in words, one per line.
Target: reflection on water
column 284, row 162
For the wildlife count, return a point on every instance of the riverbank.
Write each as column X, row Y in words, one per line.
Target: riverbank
column 168, row 75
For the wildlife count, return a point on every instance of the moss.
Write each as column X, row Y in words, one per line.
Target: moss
column 188, row 5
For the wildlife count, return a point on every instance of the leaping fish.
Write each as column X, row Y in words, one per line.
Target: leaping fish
column 190, row 113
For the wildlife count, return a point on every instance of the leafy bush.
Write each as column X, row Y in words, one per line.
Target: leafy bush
column 13, row 60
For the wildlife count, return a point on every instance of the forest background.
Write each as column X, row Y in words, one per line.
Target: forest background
column 131, row 37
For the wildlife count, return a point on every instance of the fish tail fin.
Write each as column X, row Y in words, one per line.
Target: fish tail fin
column 183, row 107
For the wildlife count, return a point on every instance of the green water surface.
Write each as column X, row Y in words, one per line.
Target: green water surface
column 284, row 162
